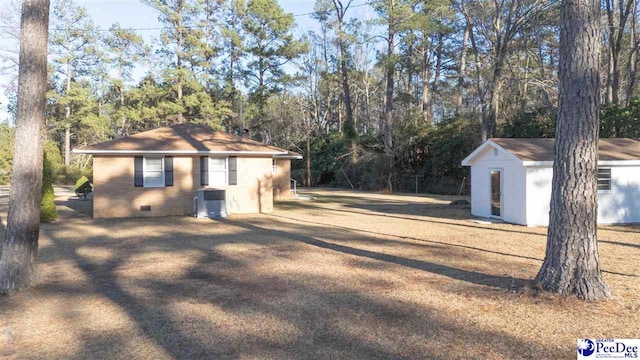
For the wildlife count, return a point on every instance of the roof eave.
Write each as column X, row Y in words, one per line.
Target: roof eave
column 177, row 152
column 600, row 163
column 288, row 156
column 469, row 159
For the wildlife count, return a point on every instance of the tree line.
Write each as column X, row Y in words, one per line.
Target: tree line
column 371, row 102
column 571, row 265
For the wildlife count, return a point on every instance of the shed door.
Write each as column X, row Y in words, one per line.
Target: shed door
column 496, row 193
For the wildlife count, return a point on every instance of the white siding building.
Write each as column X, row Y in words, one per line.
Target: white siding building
column 511, row 180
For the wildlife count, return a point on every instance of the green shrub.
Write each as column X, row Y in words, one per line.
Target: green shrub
column 6, row 153
column 67, row 175
column 80, row 182
column 533, row 124
column 618, row 121
column 48, row 211
column 53, row 154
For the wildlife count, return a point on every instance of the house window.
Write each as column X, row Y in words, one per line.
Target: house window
column 604, row 179
column 217, row 171
column 153, row 170
column 274, row 167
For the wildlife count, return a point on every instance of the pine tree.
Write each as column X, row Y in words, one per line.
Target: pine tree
column 125, row 49
column 571, row 265
column 72, row 46
column 270, row 44
column 19, row 248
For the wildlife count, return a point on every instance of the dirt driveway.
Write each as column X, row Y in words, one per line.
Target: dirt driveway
column 347, row 275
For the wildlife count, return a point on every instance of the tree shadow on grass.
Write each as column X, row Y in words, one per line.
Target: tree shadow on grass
column 426, row 218
column 473, row 248
column 618, row 243
column 73, row 207
column 434, row 211
column 324, row 318
column 508, row 283
column 409, row 237
column 451, row 224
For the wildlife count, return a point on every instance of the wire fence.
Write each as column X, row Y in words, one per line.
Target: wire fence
column 435, row 185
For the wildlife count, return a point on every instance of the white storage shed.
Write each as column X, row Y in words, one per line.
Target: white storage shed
column 511, row 180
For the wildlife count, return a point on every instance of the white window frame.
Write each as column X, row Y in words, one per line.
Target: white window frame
column 144, row 171
column 226, row 171
column 610, row 179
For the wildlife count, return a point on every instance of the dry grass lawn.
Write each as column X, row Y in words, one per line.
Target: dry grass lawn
column 347, row 275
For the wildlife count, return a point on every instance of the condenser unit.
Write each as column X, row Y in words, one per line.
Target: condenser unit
column 210, row 203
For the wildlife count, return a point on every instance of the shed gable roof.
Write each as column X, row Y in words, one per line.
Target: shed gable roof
column 184, row 138
column 542, row 150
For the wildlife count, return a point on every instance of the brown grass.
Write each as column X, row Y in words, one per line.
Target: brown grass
column 347, row 275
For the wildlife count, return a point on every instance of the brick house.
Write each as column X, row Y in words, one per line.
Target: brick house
column 158, row 172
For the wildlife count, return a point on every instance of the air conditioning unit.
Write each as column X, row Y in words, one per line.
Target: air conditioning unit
column 210, row 203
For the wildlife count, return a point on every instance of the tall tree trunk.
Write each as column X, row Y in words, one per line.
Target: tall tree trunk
column 426, row 86
column 67, row 110
column 462, row 69
column 339, row 111
column 435, row 90
column 478, row 75
column 611, row 45
column 67, row 144
column 348, row 126
column 387, row 125
column 616, row 37
column 571, row 265
column 125, row 132
column 20, row 246
column 489, row 117
column 179, row 55
column 426, row 80
column 207, row 57
column 632, row 63
column 308, row 133
column 388, row 98
column 608, row 99
column 525, row 81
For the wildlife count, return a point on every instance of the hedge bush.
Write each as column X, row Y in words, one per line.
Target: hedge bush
column 48, row 211
column 67, row 175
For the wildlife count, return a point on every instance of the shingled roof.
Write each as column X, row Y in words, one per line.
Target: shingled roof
column 536, row 151
column 543, row 149
column 184, row 139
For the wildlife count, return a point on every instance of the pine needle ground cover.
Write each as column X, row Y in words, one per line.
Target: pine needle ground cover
column 347, row 275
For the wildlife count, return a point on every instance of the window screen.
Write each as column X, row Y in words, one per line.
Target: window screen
column 217, row 171
column 604, row 179
column 153, row 172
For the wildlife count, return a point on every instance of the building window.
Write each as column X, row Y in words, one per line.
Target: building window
column 153, row 170
column 604, row 179
column 217, row 171
column 274, row 167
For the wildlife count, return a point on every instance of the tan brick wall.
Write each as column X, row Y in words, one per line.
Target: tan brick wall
column 282, row 180
column 254, row 192
column 116, row 196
